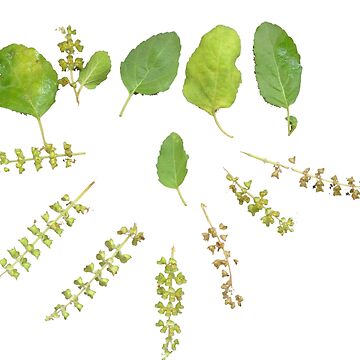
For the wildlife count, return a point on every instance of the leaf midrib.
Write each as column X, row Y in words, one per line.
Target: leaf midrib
column 277, row 71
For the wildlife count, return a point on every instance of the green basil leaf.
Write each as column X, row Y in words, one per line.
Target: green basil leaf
column 277, row 67
column 96, row 70
column 212, row 79
column 171, row 164
column 152, row 66
column 28, row 82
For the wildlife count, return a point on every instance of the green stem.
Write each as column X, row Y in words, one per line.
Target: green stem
column 77, row 94
column 97, row 273
column 73, row 85
column 313, row 176
column 288, row 120
column 219, row 126
column 181, row 197
column 125, row 105
column 71, row 205
column 42, row 131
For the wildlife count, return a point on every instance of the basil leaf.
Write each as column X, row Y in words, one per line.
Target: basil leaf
column 152, row 66
column 212, row 79
column 171, row 164
column 28, row 83
column 96, row 70
column 277, row 67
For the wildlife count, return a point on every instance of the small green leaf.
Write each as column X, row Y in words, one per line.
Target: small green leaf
column 172, row 161
column 28, row 83
column 96, row 70
column 152, row 66
column 277, row 67
column 212, row 79
column 292, row 120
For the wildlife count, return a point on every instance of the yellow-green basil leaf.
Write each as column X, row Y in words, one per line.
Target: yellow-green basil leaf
column 212, row 79
column 277, row 67
column 28, row 82
column 96, row 70
column 152, row 66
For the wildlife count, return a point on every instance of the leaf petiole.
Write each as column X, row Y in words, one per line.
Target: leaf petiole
column 219, row 126
column 126, row 103
column 181, row 197
column 42, row 131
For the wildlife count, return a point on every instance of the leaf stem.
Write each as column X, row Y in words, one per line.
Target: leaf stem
column 126, row 103
column 313, row 176
column 219, row 126
column 42, row 131
column 181, row 197
column 288, row 120
column 96, row 273
column 61, row 214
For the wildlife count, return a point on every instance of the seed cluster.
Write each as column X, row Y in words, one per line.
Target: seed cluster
column 222, row 263
column 106, row 260
column 47, row 152
column 258, row 204
column 316, row 179
column 62, row 210
column 166, row 281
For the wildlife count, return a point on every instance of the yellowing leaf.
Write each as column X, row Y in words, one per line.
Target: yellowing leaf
column 28, row 83
column 212, row 79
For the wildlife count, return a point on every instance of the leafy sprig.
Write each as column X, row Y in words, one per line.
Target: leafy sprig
column 314, row 179
column 47, row 153
column 106, row 260
column 91, row 75
column 259, row 203
column 166, row 288
column 62, row 210
column 223, row 263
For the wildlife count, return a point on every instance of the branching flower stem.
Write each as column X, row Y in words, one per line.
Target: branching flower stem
column 48, row 228
column 245, row 190
column 226, row 255
column 293, row 169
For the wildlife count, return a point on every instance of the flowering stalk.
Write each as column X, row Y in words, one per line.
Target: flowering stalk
column 259, row 204
column 106, row 260
column 38, row 157
column 167, row 291
column 62, row 209
column 353, row 189
column 224, row 264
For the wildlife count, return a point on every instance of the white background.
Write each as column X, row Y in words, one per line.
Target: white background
column 301, row 291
